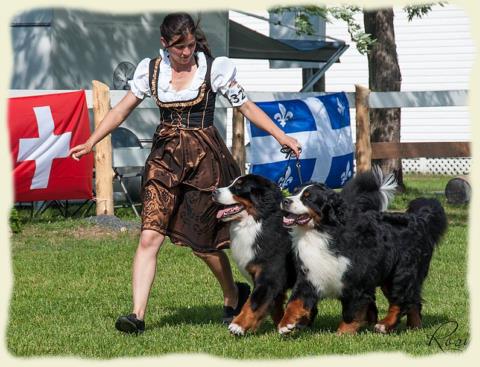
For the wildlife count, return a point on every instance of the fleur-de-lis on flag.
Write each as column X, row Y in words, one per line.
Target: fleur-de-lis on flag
column 283, row 116
column 346, row 174
column 340, row 107
column 286, row 179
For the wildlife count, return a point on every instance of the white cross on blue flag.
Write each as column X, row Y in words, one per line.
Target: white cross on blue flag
column 322, row 126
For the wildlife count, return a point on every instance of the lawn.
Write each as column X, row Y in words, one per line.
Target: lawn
column 72, row 280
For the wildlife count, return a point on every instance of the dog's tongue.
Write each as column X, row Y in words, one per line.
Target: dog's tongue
column 221, row 213
column 302, row 219
column 289, row 220
column 225, row 212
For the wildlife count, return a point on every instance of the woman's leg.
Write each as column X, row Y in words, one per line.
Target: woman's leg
column 144, row 268
column 220, row 267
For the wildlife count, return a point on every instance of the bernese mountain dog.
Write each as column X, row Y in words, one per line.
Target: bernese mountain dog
column 344, row 251
column 262, row 247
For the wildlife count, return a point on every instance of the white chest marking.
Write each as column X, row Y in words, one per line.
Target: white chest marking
column 325, row 270
column 243, row 234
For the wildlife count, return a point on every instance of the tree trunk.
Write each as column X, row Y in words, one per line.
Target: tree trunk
column 384, row 76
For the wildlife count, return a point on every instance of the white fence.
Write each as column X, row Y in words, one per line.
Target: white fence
column 414, row 99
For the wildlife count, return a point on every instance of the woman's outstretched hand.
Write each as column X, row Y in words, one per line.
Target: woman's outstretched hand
column 292, row 143
column 80, row 150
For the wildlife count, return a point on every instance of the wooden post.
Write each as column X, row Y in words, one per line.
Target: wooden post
column 363, row 148
column 238, row 139
column 103, row 152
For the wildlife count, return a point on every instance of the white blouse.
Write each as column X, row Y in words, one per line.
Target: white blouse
column 222, row 78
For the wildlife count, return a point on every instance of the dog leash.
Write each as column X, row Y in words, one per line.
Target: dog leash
column 288, row 155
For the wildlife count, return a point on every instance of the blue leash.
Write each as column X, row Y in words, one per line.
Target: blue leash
column 288, row 155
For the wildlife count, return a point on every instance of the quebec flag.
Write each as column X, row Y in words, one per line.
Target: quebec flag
column 322, row 126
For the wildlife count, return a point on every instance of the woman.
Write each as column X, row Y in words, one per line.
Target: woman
column 188, row 159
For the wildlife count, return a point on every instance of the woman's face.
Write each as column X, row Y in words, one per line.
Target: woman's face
column 183, row 51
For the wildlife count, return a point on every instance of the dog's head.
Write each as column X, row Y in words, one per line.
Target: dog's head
column 313, row 205
column 247, row 195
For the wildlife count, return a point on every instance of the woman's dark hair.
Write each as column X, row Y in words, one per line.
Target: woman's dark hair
column 182, row 24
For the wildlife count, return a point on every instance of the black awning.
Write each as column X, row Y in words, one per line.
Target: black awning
column 245, row 43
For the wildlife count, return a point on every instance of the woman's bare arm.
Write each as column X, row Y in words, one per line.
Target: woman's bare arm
column 112, row 120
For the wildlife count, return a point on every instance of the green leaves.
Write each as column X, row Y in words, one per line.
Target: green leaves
column 418, row 11
column 345, row 13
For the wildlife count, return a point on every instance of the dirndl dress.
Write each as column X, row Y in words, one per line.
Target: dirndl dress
column 187, row 162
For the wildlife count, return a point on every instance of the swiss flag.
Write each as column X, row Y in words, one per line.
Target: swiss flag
column 42, row 131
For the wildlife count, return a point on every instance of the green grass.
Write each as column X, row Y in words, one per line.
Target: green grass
column 72, row 280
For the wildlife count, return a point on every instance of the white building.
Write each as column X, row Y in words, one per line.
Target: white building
column 435, row 52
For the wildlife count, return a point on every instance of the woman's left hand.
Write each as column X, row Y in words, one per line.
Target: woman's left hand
column 292, row 143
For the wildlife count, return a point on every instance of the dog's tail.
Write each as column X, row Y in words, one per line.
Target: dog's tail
column 431, row 216
column 370, row 190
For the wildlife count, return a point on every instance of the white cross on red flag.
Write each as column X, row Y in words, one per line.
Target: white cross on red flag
column 42, row 131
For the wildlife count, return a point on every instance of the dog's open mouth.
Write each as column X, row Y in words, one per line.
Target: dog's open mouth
column 294, row 219
column 230, row 210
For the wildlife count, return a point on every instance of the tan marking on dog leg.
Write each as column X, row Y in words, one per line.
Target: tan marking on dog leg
column 249, row 319
column 359, row 320
column 294, row 314
column 348, row 328
column 389, row 322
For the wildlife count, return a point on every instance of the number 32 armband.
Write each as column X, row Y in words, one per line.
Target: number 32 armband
column 236, row 94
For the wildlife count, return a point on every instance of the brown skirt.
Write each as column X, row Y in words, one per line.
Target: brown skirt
column 181, row 172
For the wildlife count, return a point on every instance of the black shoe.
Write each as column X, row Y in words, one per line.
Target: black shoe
column 229, row 312
column 130, row 324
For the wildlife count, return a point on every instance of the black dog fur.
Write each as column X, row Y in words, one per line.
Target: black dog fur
column 346, row 250
column 261, row 247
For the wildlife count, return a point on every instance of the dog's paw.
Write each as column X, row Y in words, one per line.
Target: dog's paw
column 380, row 328
column 236, row 329
column 286, row 329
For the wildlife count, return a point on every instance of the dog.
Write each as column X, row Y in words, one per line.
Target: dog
column 261, row 247
column 345, row 249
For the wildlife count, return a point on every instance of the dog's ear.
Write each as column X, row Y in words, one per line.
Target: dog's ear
column 336, row 212
column 257, row 195
column 330, row 209
column 266, row 197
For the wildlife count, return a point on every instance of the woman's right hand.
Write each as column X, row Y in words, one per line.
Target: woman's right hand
column 111, row 121
column 80, row 150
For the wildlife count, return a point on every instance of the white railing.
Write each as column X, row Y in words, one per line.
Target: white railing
column 442, row 98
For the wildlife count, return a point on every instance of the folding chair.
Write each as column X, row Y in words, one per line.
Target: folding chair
column 128, row 160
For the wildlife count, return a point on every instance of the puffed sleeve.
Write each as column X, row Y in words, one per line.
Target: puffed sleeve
column 139, row 84
column 223, row 79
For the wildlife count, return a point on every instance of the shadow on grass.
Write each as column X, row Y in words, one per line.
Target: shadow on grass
column 205, row 315
column 195, row 315
column 330, row 323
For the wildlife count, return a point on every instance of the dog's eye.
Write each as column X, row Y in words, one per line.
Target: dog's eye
column 306, row 194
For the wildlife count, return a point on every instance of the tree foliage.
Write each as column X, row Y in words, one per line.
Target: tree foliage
column 364, row 41
column 418, row 11
column 346, row 13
